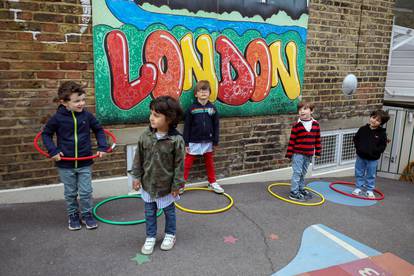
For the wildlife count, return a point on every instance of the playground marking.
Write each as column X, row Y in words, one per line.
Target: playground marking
column 342, row 243
column 273, row 237
column 140, row 259
column 230, row 239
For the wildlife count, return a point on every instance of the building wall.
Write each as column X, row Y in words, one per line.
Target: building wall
column 43, row 43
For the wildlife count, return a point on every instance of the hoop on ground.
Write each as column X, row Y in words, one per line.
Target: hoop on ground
column 132, row 222
column 215, row 211
column 331, row 185
column 42, row 152
column 269, row 189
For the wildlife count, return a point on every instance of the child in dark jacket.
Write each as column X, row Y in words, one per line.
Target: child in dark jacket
column 304, row 142
column 201, row 133
column 370, row 142
column 72, row 125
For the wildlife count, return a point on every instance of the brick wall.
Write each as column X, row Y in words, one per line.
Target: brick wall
column 43, row 43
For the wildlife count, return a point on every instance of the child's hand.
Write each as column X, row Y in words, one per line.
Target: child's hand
column 100, row 154
column 136, row 184
column 187, row 149
column 57, row 156
column 317, row 156
column 174, row 193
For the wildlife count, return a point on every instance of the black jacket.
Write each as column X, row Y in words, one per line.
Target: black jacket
column 69, row 127
column 201, row 124
column 370, row 143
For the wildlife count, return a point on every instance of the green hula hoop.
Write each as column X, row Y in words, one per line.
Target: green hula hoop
column 132, row 222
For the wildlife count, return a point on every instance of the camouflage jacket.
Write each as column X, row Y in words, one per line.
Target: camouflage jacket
column 159, row 164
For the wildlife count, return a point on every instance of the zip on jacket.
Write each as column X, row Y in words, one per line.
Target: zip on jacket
column 75, row 133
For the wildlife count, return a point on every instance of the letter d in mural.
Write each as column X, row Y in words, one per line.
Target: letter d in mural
column 252, row 52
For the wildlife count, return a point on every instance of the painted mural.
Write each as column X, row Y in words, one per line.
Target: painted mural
column 252, row 52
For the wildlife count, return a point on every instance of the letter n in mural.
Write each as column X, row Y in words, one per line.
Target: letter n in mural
column 252, row 52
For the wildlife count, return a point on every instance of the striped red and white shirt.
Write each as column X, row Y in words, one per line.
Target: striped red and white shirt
column 304, row 142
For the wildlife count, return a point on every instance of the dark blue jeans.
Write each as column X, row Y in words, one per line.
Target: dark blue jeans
column 151, row 219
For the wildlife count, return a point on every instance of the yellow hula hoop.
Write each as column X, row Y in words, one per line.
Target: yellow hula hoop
column 215, row 211
column 269, row 189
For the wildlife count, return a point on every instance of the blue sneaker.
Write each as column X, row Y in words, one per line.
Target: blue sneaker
column 74, row 222
column 89, row 221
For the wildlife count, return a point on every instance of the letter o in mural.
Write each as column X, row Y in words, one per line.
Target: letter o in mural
column 163, row 50
column 233, row 91
column 259, row 59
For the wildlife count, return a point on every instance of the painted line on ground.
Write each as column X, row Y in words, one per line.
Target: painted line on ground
column 342, row 243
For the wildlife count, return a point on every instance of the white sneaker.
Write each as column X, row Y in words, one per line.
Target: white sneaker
column 168, row 242
column 370, row 194
column 148, row 246
column 357, row 192
column 216, row 187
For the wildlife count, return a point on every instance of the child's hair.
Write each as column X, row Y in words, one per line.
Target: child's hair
column 202, row 85
column 68, row 88
column 382, row 115
column 169, row 107
column 302, row 104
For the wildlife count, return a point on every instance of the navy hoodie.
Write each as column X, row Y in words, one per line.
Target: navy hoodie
column 201, row 124
column 370, row 143
column 73, row 136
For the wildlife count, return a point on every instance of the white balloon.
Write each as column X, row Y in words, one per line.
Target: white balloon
column 349, row 85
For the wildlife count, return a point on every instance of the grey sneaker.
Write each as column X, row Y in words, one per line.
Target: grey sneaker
column 357, row 192
column 168, row 242
column 306, row 194
column 297, row 196
column 148, row 246
column 216, row 187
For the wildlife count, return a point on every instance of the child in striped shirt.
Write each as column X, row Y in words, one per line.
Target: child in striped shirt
column 304, row 142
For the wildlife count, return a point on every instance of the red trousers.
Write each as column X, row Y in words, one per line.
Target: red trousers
column 208, row 161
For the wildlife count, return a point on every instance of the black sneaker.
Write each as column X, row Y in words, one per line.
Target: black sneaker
column 306, row 194
column 89, row 221
column 296, row 196
column 74, row 222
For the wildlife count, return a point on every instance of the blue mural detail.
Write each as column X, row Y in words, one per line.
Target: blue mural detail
column 129, row 12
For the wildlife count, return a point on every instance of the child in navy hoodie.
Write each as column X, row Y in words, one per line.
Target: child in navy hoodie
column 201, row 133
column 72, row 125
column 370, row 142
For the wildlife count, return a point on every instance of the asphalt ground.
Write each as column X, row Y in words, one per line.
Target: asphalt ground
column 35, row 240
